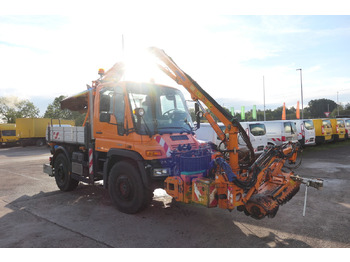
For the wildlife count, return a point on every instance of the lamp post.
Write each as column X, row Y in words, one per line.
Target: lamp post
column 264, row 97
column 301, row 85
column 338, row 102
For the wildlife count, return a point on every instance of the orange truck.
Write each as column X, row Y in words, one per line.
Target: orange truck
column 139, row 136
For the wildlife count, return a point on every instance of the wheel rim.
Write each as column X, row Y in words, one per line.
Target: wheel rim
column 125, row 188
column 61, row 173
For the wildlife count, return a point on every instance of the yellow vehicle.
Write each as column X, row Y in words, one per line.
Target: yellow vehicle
column 8, row 134
column 32, row 131
column 323, row 130
column 338, row 129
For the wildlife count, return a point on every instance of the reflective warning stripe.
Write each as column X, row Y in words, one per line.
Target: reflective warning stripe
column 90, row 161
column 55, row 135
column 162, row 143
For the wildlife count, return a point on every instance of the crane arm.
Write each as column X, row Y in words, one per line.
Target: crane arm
column 233, row 127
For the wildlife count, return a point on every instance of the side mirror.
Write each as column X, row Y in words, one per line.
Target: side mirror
column 139, row 112
column 105, row 117
column 199, row 115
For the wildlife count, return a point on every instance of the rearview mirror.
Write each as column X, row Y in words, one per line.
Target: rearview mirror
column 199, row 115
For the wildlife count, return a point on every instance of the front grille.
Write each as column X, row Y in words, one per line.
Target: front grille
column 177, row 138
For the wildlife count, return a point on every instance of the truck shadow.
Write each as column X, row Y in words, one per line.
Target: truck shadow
column 86, row 217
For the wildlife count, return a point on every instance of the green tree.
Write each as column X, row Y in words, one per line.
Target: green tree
column 54, row 111
column 13, row 108
column 317, row 107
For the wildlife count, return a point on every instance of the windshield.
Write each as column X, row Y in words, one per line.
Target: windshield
column 347, row 122
column 326, row 123
column 309, row 125
column 9, row 132
column 340, row 123
column 165, row 109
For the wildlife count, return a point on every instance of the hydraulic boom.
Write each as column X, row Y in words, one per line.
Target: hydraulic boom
column 257, row 187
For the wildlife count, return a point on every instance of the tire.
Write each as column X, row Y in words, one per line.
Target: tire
column 126, row 188
column 62, row 176
column 40, row 142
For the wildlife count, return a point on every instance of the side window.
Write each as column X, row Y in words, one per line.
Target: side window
column 112, row 103
column 119, row 109
column 106, row 98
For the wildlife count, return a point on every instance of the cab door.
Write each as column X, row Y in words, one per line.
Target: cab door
column 109, row 118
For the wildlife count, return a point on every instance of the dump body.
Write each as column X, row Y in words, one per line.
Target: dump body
column 323, row 130
column 8, row 134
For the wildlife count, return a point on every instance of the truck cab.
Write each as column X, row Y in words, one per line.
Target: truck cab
column 131, row 115
column 8, row 134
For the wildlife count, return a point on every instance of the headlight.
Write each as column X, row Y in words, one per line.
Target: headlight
column 161, row 172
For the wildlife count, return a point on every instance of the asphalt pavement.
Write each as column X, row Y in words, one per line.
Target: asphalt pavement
column 34, row 213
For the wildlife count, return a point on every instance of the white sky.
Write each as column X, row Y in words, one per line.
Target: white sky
column 52, row 48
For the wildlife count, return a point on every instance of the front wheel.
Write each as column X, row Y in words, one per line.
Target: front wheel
column 126, row 188
column 62, row 176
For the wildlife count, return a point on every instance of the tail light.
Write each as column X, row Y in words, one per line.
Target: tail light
column 337, row 127
column 283, row 138
column 247, row 131
column 322, row 129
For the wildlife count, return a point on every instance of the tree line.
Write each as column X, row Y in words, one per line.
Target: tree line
column 12, row 108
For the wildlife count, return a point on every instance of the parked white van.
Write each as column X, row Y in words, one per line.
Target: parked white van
column 207, row 134
column 280, row 131
column 255, row 130
column 257, row 134
column 306, row 131
column 347, row 127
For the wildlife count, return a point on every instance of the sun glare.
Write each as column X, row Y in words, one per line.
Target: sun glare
column 139, row 67
column 142, row 67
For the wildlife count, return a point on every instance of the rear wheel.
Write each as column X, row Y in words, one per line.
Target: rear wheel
column 126, row 188
column 62, row 176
